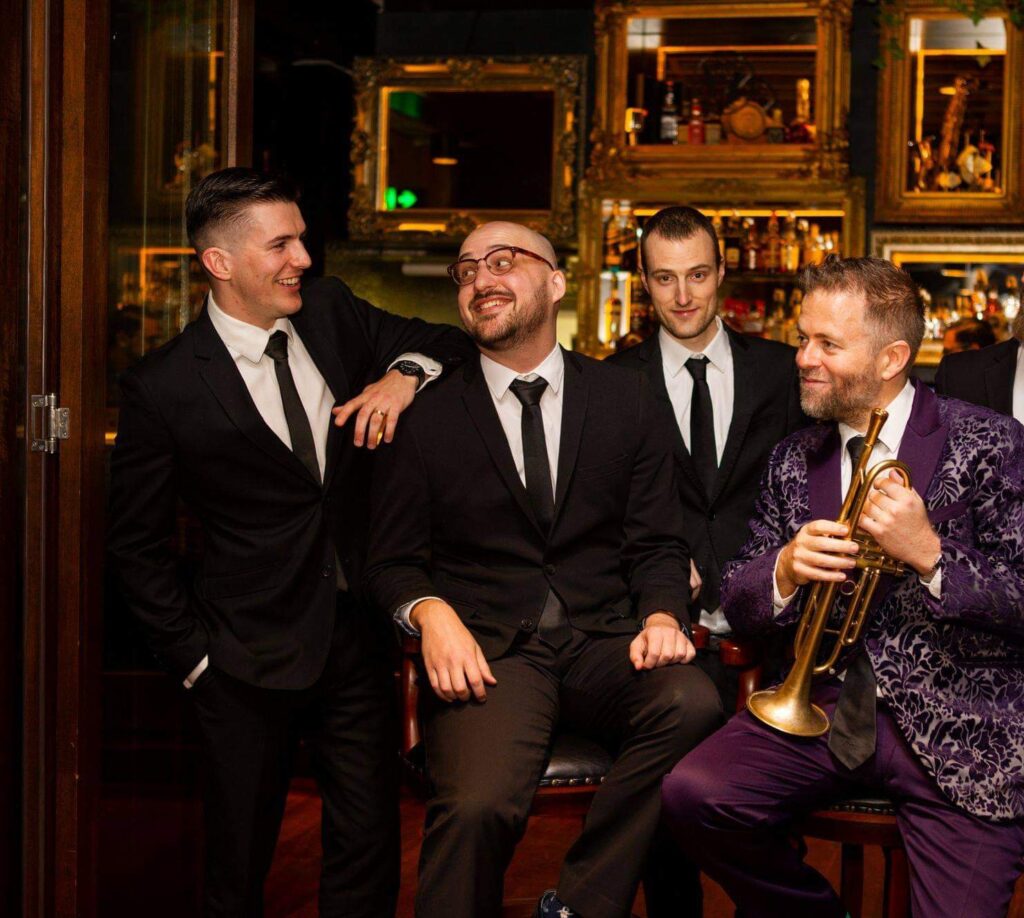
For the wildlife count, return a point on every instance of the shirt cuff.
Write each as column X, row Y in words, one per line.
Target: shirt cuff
column 191, row 678
column 431, row 368
column 934, row 581
column 779, row 602
column 404, row 611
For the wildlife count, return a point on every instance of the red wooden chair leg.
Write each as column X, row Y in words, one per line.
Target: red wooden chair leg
column 851, row 879
column 897, row 883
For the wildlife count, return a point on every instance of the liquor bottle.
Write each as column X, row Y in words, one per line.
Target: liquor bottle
column 804, row 240
column 814, row 246
column 612, row 250
column 669, row 116
column 683, row 124
column 712, row 128
column 716, row 225
column 1010, row 300
column 800, row 128
column 773, row 246
column 732, row 242
column 628, row 242
column 776, row 132
column 751, row 246
column 790, row 246
column 792, row 333
column 695, row 128
column 612, row 316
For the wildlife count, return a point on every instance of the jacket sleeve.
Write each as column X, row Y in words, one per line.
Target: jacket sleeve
column 655, row 554
column 748, row 581
column 398, row 557
column 983, row 582
column 143, row 504
column 390, row 336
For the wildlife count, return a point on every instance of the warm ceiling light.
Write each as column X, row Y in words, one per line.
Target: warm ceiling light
column 445, row 161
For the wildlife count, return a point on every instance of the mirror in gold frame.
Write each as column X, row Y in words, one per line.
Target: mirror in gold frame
column 442, row 146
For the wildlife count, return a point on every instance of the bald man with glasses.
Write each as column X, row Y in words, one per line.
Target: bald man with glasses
column 526, row 526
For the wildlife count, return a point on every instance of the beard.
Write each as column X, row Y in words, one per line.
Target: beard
column 519, row 323
column 845, row 400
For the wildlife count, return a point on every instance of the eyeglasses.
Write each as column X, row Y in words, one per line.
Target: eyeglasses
column 499, row 261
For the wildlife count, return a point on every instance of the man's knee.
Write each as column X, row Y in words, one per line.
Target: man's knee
column 484, row 813
column 684, row 699
column 691, row 798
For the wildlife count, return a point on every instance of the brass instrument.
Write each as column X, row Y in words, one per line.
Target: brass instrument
column 788, row 708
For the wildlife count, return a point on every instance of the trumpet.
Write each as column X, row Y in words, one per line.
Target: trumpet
column 788, row 707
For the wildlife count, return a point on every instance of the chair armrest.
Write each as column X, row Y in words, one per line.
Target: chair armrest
column 701, row 636
column 410, row 692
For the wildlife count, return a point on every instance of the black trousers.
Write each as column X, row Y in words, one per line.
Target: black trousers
column 485, row 761
column 250, row 736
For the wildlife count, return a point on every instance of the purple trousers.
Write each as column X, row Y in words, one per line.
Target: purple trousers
column 729, row 802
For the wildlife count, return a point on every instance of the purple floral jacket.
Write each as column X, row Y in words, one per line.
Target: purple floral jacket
column 950, row 670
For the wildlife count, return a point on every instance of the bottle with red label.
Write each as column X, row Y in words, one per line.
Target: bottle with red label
column 695, row 128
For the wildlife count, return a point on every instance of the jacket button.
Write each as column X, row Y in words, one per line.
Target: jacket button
column 326, row 572
column 549, row 569
column 526, row 624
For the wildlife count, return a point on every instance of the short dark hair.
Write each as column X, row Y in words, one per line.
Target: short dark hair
column 677, row 223
column 894, row 308
column 969, row 332
column 223, row 197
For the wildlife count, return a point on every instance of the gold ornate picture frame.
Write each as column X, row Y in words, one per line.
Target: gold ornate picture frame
column 900, row 103
column 374, row 214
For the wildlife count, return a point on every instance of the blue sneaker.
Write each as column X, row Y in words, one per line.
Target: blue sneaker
column 550, row 906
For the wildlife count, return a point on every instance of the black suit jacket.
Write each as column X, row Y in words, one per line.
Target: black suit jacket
column 766, row 409
column 451, row 517
column 983, row 377
column 262, row 603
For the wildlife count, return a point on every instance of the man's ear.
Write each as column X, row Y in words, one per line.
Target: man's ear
column 557, row 285
column 217, row 262
column 894, row 359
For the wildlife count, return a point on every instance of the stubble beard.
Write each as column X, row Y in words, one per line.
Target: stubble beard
column 516, row 327
column 845, row 401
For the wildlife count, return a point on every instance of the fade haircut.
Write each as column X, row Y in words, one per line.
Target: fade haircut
column 222, row 198
column 894, row 309
column 676, row 224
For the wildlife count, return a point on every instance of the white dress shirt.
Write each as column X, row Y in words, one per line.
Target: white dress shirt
column 246, row 344
column 1018, row 386
column 886, row 447
column 510, row 413
column 722, row 386
column 679, row 382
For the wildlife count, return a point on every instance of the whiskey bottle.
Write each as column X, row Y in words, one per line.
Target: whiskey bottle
column 732, row 242
column 751, row 246
column 716, row 225
column 612, row 245
column 773, row 246
column 669, row 116
column 628, row 242
column 695, row 127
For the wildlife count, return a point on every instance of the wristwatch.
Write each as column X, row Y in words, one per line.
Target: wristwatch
column 411, row 368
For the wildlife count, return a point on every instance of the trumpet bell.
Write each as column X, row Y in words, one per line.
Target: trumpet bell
column 787, row 712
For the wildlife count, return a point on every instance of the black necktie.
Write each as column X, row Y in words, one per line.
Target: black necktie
column 294, row 414
column 553, row 628
column 535, row 450
column 702, row 425
column 852, row 738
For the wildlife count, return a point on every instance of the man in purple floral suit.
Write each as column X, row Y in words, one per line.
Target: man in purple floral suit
column 930, row 709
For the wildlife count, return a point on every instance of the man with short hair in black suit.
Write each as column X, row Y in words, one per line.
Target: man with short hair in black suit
column 992, row 377
column 271, row 638
column 525, row 525
column 730, row 399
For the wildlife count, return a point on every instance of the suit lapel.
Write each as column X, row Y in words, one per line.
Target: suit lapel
column 999, row 377
column 574, row 410
column 824, row 481
column 480, row 406
column 744, row 375
column 924, row 438
column 328, row 362
column 220, row 374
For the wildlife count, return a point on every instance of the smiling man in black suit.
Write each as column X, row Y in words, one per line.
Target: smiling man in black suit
column 525, row 525
column 727, row 400
column 271, row 639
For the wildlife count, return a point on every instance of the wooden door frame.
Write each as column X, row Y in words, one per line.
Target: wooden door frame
column 55, row 115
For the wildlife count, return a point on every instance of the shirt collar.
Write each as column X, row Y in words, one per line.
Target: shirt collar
column 500, row 377
column 892, row 431
column 674, row 353
column 250, row 341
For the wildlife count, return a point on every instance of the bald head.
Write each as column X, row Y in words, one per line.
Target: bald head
column 488, row 236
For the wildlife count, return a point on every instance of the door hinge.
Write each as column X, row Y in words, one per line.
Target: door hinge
column 49, row 423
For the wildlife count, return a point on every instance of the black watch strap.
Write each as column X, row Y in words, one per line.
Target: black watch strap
column 411, row 368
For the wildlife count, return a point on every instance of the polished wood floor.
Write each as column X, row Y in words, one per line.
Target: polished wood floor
column 292, row 882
